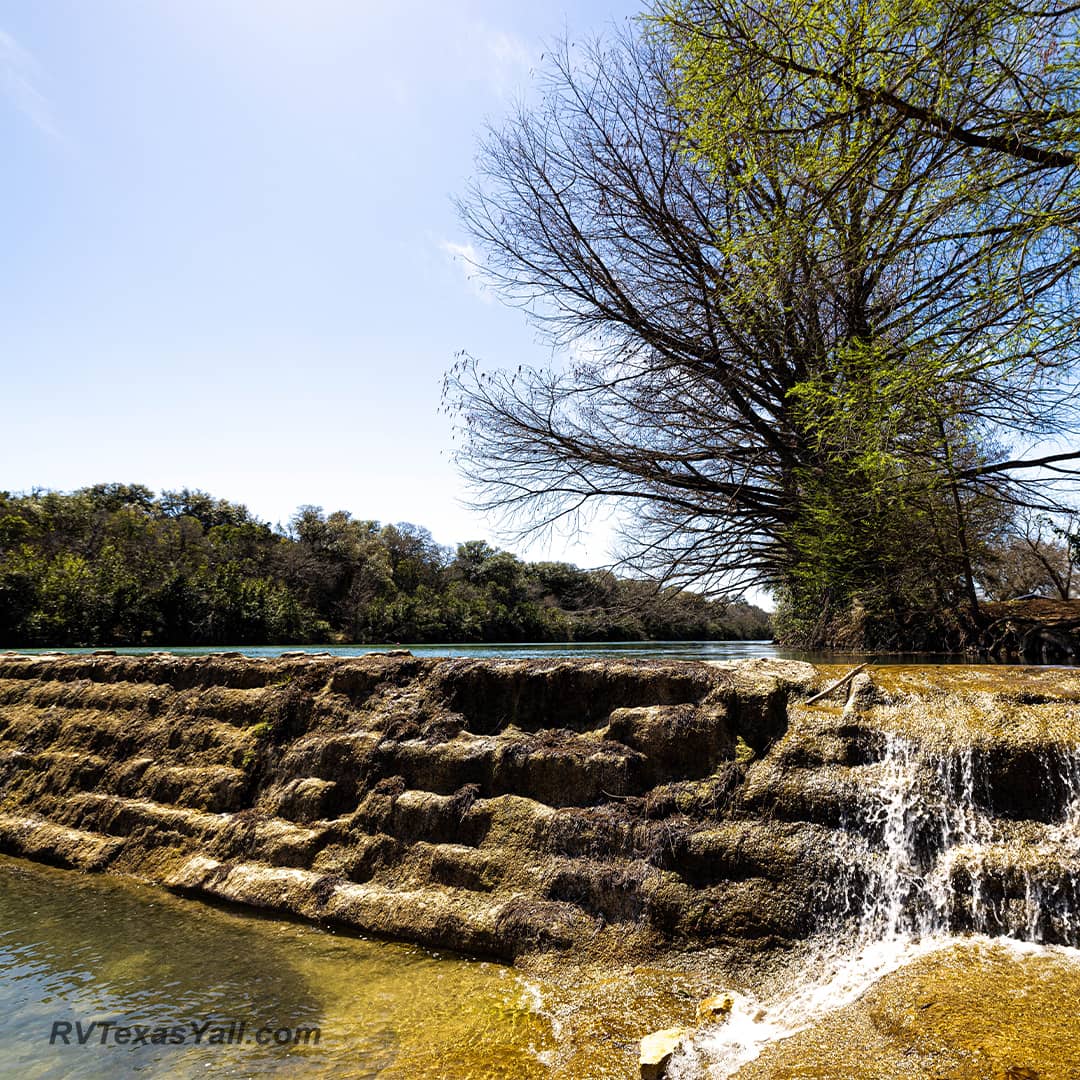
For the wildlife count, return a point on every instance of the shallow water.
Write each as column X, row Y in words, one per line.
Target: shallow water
column 94, row 949
column 98, row 949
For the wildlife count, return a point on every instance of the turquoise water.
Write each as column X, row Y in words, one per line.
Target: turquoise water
column 654, row 650
column 671, row 650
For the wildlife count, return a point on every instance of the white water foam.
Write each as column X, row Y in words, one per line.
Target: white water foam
column 927, row 859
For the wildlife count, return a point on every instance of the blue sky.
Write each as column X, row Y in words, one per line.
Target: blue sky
column 229, row 244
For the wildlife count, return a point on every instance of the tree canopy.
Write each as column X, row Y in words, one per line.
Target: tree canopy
column 819, row 345
column 113, row 564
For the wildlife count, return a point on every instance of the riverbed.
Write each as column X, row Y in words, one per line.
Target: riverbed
column 229, row 992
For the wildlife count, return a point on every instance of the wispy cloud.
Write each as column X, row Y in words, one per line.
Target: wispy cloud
column 469, row 261
column 508, row 59
column 19, row 72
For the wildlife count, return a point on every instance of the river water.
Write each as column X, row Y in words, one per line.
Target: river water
column 110, row 953
column 656, row 650
column 615, row 650
column 97, row 950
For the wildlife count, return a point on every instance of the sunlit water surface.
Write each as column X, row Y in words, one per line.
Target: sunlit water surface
column 98, row 949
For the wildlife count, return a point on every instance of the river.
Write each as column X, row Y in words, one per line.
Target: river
column 99, row 950
column 615, row 650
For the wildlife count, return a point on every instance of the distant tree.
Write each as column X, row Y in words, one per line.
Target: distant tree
column 1037, row 555
column 204, row 508
column 75, row 573
column 112, row 497
column 415, row 558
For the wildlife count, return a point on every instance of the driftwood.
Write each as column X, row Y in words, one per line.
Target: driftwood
column 836, row 685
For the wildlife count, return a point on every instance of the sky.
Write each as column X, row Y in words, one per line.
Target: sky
column 231, row 259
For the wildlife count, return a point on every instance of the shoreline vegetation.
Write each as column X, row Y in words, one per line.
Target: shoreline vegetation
column 831, row 331
column 113, row 564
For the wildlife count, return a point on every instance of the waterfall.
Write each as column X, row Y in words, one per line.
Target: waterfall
column 937, row 845
column 936, row 859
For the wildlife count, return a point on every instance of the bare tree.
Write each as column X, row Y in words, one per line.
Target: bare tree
column 1037, row 555
column 773, row 357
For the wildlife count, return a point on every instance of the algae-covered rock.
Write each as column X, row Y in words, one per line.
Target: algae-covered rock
column 502, row 807
column 514, row 807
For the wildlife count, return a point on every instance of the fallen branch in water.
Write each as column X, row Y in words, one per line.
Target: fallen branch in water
column 836, row 685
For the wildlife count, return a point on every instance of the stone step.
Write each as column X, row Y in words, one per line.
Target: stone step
column 841, row 796
column 116, row 815
column 213, row 788
column 424, row 815
column 576, row 770
column 437, row 916
column 559, row 695
column 737, row 850
column 611, row 890
column 116, row 736
column 456, row 865
column 36, row 838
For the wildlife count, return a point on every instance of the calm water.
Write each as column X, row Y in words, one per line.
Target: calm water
column 91, row 949
column 85, row 949
column 656, row 650
column 673, row 650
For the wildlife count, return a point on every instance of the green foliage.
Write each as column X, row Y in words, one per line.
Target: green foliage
column 912, row 166
column 113, row 565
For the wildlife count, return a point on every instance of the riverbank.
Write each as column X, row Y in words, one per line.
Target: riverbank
column 1032, row 631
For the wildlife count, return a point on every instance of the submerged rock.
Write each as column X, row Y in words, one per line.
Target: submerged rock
column 718, row 1008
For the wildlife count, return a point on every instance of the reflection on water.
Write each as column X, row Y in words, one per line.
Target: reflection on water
column 98, row 949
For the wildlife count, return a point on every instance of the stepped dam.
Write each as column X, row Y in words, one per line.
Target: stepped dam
column 574, row 814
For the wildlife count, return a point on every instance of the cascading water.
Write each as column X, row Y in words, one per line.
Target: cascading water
column 938, row 860
column 928, row 856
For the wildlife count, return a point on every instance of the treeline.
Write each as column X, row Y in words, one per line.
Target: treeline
column 115, row 564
